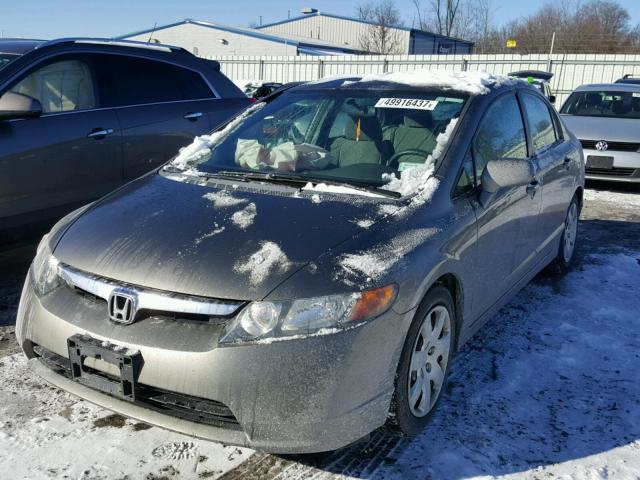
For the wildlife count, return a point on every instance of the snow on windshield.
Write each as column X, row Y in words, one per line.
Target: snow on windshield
column 474, row 83
column 201, row 146
column 260, row 264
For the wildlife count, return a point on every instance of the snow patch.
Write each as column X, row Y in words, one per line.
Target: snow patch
column 365, row 223
column 374, row 263
column 344, row 189
column 259, row 265
column 200, row 149
column 244, row 218
column 223, row 199
column 216, row 230
column 472, row 82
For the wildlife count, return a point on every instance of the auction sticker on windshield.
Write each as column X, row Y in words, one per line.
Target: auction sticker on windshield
column 412, row 103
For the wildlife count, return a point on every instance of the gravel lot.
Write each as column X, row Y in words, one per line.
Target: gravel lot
column 549, row 389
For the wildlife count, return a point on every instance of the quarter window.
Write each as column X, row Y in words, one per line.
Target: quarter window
column 500, row 135
column 62, row 86
column 542, row 132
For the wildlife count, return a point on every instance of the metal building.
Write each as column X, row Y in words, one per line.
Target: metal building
column 349, row 32
column 214, row 40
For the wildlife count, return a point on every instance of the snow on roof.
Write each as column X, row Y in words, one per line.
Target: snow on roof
column 260, row 264
column 473, row 83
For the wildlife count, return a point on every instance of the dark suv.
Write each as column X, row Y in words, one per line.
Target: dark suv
column 80, row 117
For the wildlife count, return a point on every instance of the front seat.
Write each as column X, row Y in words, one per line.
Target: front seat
column 361, row 143
column 415, row 133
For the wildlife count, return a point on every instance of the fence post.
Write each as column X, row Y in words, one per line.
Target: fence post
column 465, row 64
column 261, row 69
column 550, row 66
column 385, row 65
column 320, row 68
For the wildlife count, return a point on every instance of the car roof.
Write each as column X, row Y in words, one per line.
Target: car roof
column 613, row 87
column 18, row 46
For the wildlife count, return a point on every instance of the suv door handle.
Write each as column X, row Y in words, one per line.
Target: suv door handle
column 192, row 116
column 99, row 133
column 533, row 187
column 567, row 162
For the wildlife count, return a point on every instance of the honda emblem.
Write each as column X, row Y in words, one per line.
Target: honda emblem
column 122, row 306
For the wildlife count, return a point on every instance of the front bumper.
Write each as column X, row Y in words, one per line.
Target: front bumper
column 626, row 166
column 311, row 394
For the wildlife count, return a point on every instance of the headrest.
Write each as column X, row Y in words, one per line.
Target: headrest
column 418, row 119
column 592, row 98
column 369, row 129
column 620, row 108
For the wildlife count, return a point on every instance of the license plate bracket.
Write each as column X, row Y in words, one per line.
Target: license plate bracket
column 128, row 363
column 600, row 161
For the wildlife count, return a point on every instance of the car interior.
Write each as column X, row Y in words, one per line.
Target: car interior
column 335, row 137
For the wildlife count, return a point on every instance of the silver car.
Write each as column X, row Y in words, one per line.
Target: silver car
column 606, row 119
column 292, row 285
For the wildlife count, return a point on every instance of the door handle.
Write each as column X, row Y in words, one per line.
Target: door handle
column 192, row 116
column 99, row 133
column 533, row 187
column 567, row 162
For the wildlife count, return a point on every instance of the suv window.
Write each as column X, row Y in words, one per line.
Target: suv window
column 60, row 86
column 500, row 135
column 136, row 81
column 543, row 132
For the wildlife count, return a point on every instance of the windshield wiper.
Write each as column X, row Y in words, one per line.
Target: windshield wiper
column 298, row 181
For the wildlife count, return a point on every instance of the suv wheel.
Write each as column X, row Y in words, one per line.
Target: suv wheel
column 424, row 364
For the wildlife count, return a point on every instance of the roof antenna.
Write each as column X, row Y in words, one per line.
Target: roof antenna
column 152, row 32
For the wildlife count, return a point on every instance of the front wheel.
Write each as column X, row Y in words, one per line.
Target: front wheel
column 566, row 250
column 424, row 364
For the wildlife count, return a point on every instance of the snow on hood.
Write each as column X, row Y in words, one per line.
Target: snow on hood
column 474, row 83
column 200, row 148
column 259, row 265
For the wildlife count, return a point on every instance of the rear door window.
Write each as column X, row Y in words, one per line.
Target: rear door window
column 138, row 81
column 543, row 132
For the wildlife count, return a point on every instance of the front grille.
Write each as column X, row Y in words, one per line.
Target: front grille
column 614, row 146
column 186, row 407
column 612, row 172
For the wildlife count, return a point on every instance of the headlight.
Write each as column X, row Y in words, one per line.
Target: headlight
column 44, row 269
column 260, row 320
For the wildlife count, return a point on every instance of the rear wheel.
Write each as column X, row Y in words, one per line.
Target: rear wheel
column 424, row 364
column 566, row 250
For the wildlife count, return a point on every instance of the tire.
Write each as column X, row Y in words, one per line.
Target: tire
column 409, row 414
column 566, row 251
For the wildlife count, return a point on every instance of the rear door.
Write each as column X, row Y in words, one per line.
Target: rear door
column 161, row 107
column 65, row 158
column 507, row 223
column 554, row 159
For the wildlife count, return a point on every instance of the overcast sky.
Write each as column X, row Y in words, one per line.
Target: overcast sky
column 60, row 18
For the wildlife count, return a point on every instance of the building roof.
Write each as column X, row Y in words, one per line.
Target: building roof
column 304, row 44
column 351, row 19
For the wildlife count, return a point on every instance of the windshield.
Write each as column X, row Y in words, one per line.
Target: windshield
column 5, row 58
column 339, row 135
column 612, row 104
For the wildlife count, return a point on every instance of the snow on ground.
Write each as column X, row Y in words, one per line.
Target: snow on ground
column 46, row 433
column 625, row 200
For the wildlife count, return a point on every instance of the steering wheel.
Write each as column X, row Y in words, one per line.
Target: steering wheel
column 410, row 151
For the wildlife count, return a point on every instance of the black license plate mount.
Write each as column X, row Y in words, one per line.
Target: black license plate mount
column 83, row 347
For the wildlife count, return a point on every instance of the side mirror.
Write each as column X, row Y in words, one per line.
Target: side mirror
column 506, row 172
column 16, row 105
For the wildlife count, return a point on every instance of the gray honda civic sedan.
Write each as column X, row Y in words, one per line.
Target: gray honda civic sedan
column 304, row 275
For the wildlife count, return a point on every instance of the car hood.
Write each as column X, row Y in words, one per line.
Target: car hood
column 598, row 128
column 211, row 241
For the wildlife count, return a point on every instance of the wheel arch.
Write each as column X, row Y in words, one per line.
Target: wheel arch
column 454, row 285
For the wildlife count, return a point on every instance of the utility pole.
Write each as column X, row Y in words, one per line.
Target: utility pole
column 553, row 41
